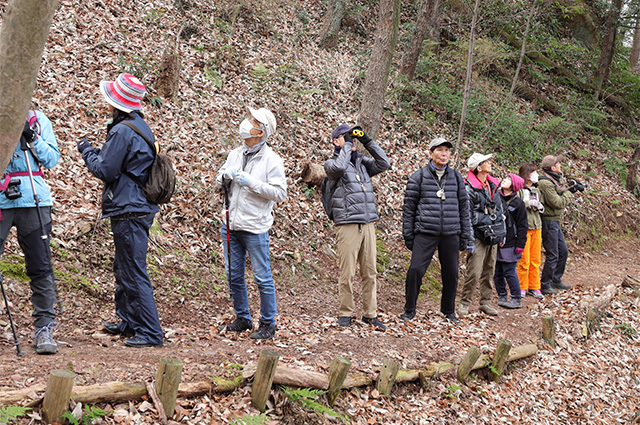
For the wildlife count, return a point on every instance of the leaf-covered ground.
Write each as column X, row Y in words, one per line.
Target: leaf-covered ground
column 235, row 55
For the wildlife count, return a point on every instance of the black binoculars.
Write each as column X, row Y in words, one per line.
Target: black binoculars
column 576, row 186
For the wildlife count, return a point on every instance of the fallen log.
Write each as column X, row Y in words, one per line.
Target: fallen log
column 313, row 174
column 114, row 392
column 631, row 282
column 602, row 302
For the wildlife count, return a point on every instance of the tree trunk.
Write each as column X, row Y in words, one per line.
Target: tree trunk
column 375, row 85
column 635, row 49
column 332, row 23
column 633, row 176
column 424, row 18
column 608, row 45
column 532, row 11
column 467, row 82
column 23, row 35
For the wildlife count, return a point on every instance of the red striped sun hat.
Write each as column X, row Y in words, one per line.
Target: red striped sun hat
column 125, row 93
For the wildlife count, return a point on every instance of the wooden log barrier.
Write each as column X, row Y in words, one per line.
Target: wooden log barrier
column 548, row 331
column 337, row 373
column 631, row 282
column 167, row 383
column 57, row 395
column 114, row 392
column 467, row 363
column 387, row 376
column 263, row 379
column 500, row 359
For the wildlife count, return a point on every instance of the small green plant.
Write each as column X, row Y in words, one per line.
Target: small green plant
column 626, row 329
column 9, row 413
column 213, row 75
column 306, row 398
column 309, row 192
column 451, row 390
column 250, row 420
column 91, row 413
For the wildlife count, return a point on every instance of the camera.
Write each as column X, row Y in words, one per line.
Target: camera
column 13, row 191
column 576, row 186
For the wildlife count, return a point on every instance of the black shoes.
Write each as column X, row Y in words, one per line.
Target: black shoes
column 548, row 290
column 114, row 329
column 451, row 317
column 138, row 341
column 373, row 321
column 344, row 321
column 408, row 315
column 240, row 325
column 111, row 328
column 264, row 332
column 560, row 286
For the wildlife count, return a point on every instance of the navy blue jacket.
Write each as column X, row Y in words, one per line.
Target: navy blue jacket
column 424, row 212
column 124, row 157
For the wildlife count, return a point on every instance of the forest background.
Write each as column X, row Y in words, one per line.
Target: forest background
column 544, row 77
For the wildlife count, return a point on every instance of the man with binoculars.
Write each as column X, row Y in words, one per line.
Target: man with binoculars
column 556, row 197
column 26, row 204
column 354, row 210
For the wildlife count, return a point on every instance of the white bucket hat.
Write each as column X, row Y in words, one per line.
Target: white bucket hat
column 476, row 159
column 266, row 118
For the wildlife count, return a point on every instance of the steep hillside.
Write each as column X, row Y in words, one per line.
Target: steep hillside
column 264, row 53
column 235, row 55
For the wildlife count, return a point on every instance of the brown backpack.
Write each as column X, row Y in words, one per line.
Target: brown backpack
column 162, row 176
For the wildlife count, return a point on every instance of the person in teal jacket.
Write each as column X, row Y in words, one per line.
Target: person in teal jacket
column 18, row 208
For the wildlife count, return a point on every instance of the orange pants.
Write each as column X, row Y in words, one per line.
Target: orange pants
column 529, row 264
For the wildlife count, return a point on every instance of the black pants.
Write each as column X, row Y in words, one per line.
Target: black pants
column 134, row 300
column 424, row 247
column 37, row 257
column 555, row 253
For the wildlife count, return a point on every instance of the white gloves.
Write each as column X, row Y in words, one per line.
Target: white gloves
column 230, row 173
column 534, row 203
column 244, row 179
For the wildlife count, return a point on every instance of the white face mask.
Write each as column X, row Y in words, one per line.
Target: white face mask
column 245, row 129
column 534, row 177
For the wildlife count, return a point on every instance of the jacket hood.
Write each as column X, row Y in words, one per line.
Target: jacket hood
column 476, row 184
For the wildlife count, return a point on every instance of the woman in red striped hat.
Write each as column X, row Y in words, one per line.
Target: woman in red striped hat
column 123, row 165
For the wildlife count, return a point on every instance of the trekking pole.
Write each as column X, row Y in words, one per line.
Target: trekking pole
column 24, row 146
column 226, row 209
column 13, row 327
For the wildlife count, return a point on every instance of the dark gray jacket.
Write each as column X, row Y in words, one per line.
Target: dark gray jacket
column 424, row 212
column 353, row 200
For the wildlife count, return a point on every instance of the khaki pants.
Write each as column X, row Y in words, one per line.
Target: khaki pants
column 357, row 245
column 481, row 265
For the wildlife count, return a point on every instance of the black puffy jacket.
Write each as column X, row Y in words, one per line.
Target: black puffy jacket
column 424, row 212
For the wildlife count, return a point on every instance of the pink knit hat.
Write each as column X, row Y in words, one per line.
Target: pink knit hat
column 517, row 182
column 125, row 93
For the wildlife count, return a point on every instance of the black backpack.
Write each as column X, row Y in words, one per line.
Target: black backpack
column 162, row 177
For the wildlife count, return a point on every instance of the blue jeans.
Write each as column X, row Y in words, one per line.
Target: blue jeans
column 555, row 253
column 257, row 246
column 506, row 274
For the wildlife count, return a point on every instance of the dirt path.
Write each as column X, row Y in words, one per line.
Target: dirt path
column 307, row 331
